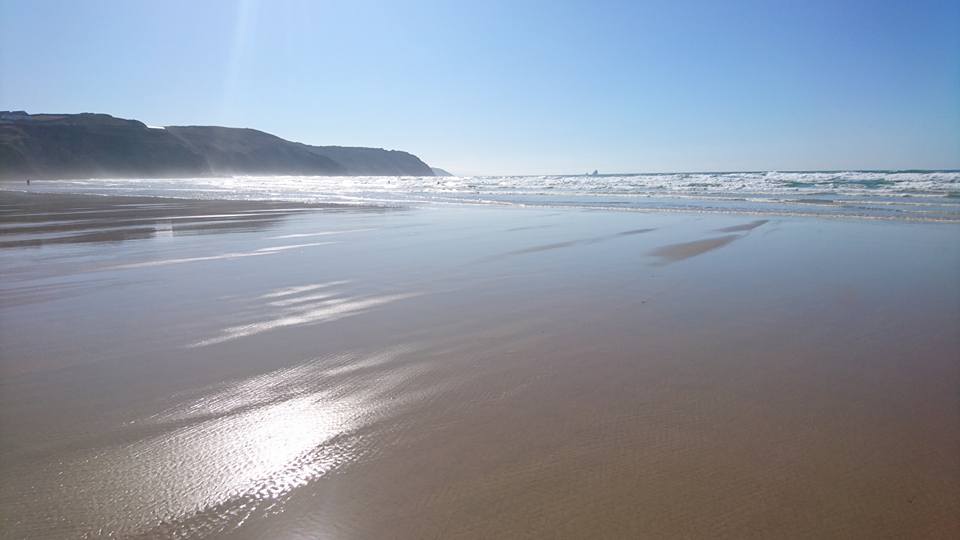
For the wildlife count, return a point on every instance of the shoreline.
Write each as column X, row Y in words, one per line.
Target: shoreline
column 400, row 204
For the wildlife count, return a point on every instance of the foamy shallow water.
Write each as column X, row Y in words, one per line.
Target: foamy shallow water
column 900, row 195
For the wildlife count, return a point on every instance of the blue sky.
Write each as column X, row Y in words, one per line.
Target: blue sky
column 517, row 87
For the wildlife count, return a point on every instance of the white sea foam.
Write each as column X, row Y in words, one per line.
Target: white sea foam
column 892, row 194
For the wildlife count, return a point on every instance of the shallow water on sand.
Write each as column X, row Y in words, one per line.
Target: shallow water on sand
column 188, row 368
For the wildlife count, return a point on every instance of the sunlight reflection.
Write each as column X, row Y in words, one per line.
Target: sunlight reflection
column 225, row 452
column 223, row 256
column 323, row 311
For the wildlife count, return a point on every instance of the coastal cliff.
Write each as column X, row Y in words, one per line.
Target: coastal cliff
column 86, row 145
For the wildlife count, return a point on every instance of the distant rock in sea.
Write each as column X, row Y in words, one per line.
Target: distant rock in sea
column 90, row 145
column 439, row 172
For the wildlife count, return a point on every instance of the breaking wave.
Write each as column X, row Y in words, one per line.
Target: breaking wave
column 912, row 195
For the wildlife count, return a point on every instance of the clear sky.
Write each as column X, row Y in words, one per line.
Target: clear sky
column 517, row 87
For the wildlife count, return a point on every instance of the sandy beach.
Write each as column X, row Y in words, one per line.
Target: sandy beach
column 185, row 368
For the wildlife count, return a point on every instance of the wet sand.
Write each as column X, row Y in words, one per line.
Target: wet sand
column 175, row 368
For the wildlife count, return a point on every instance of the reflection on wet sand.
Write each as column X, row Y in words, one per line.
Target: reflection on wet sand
column 581, row 241
column 306, row 310
column 222, row 454
column 745, row 227
column 16, row 296
column 222, row 256
column 320, row 233
column 110, row 235
column 60, row 222
column 528, row 228
column 338, row 375
column 686, row 250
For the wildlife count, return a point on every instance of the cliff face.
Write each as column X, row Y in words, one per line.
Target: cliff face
column 101, row 146
column 90, row 146
column 374, row 161
column 248, row 151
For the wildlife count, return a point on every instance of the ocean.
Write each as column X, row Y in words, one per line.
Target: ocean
column 918, row 195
